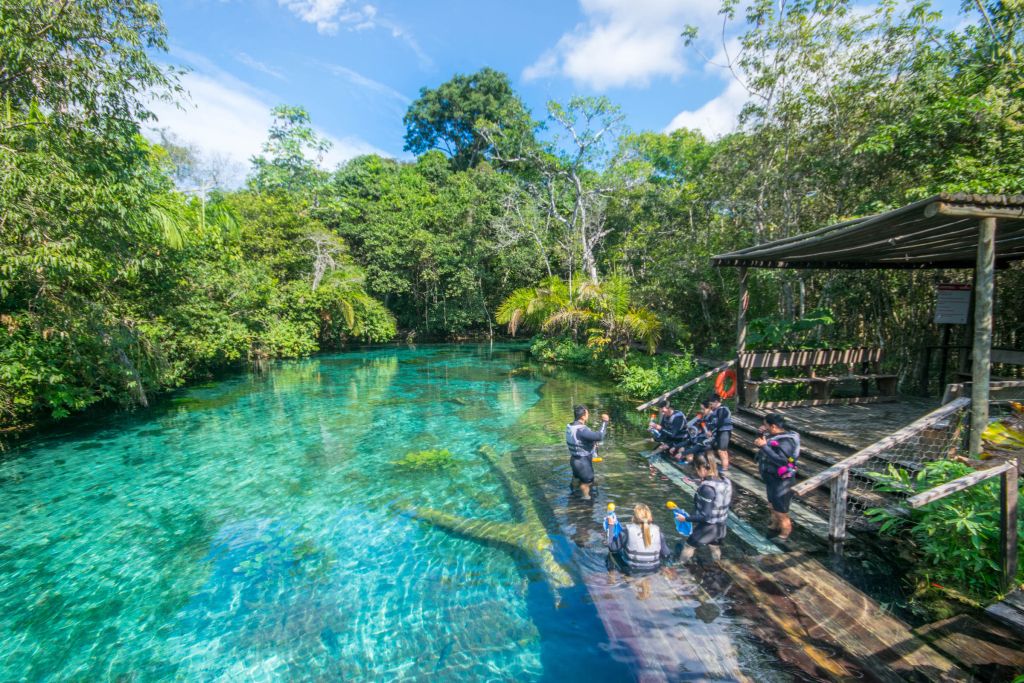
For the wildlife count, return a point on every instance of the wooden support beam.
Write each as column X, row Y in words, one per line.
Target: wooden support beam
column 958, row 484
column 981, row 366
column 879, row 447
column 1008, row 526
column 713, row 371
column 955, row 211
column 837, row 506
column 741, row 336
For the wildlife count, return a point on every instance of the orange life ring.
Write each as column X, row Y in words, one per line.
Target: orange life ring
column 723, row 377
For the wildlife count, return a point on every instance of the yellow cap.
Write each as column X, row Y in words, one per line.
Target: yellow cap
column 611, row 507
column 670, row 505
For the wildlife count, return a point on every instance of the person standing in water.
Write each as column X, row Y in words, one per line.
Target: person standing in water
column 779, row 450
column 639, row 545
column 582, row 442
column 710, row 509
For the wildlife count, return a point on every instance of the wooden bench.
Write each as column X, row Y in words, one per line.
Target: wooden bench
column 999, row 357
column 861, row 365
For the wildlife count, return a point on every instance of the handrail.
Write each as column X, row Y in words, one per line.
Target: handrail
column 959, row 484
column 885, row 444
column 724, row 366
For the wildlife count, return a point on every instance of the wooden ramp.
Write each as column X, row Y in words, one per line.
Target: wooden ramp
column 635, row 610
column 830, row 613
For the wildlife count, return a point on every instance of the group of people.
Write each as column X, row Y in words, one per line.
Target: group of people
column 710, row 429
column 640, row 546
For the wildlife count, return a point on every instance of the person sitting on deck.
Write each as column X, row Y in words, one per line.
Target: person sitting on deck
column 710, row 509
column 698, row 436
column 582, row 442
column 639, row 546
column 670, row 431
column 720, row 424
column 777, row 456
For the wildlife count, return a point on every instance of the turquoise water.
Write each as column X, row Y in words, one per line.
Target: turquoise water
column 258, row 529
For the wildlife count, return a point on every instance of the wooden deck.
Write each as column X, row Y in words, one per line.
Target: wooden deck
column 854, row 426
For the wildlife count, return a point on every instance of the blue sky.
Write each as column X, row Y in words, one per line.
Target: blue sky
column 357, row 66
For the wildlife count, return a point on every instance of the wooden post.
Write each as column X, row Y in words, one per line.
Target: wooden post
column 837, row 506
column 741, row 337
column 945, row 359
column 982, row 351
column 1008, row 527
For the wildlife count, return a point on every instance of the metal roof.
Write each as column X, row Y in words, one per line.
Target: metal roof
column 938, row 232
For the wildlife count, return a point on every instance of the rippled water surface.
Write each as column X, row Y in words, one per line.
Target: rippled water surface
column 263, row 528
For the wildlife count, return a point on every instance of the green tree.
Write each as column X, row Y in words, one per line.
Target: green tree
column 450, row 118
column 284, row 164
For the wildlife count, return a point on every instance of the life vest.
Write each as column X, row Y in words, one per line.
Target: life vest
column 789, row 471
column 723, row 499
column 577, row 448
column 636, row 555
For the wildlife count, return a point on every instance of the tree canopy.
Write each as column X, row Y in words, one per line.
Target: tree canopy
column 127, row 268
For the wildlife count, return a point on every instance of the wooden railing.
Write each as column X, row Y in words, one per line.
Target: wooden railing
column 1007, row 510
column 838, row 477
column 713, row 371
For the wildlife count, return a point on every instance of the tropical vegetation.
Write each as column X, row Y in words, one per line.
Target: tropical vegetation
column 130, row 265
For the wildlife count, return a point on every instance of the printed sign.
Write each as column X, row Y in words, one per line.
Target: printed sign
column 953, row 304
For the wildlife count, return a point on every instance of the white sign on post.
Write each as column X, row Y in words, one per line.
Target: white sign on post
column 953, row 304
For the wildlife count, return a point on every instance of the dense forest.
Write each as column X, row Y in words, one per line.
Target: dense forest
column 120, row 279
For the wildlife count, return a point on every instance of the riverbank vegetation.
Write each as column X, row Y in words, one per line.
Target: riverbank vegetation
column 127, row 266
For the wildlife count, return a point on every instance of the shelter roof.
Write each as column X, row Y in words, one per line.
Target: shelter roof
column 938, row 232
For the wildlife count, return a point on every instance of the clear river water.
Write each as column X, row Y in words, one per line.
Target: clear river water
column 265, row 527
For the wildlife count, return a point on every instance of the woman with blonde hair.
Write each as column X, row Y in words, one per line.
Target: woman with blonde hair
column 639, row 546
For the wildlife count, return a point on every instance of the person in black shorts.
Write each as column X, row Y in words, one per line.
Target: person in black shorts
column 720, row 424
column 582, row 443
column 777, row 456
column 710, row 509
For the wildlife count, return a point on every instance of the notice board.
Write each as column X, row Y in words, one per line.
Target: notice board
column 952, row 304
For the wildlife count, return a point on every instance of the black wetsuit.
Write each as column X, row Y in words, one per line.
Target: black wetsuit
column 673, row 429
column 698, row 438
column 710, row 512
column 582, row 443
column 720, row 424
column 774, row 456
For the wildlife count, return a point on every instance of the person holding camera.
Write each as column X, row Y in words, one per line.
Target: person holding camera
column 777, row 456
column 582, row 442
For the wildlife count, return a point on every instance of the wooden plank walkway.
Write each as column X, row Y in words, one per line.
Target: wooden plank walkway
column 658, row 623
column 996, row 653
column 632, row 608
column 834, row 613
column 1010, row 611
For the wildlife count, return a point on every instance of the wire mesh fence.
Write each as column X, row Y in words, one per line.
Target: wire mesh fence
column 926, row 453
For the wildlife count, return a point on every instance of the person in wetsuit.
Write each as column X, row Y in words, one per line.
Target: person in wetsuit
column 670, row 430
column 777, row 455
column 639, row 546
column 698, row 436
column 720, row 424
column 582, row 443
column 710, row 509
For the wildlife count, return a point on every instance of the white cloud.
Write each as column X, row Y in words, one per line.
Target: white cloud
column 330, row 15
column 624, row 42
column 225, row 117
column 716, row 117
column 259, row 66
column 366, row 82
